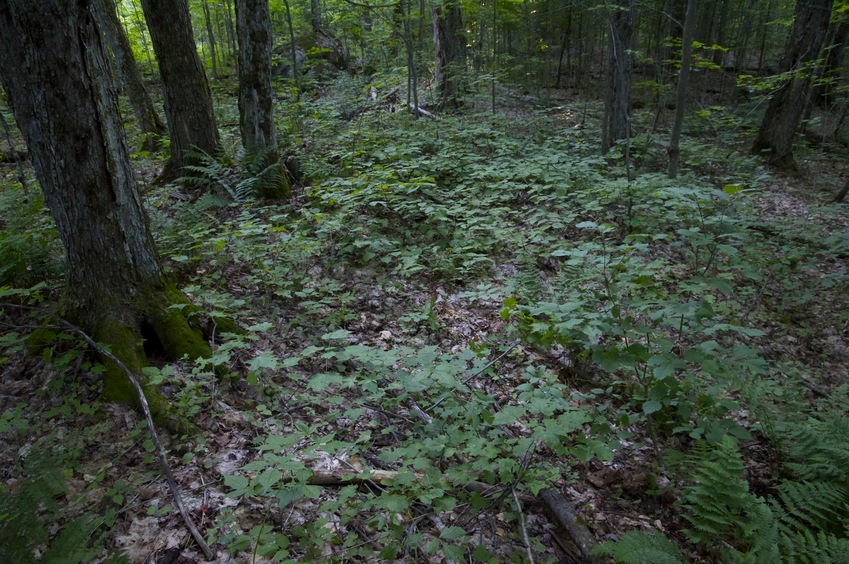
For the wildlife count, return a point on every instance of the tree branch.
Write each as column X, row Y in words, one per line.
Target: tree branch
column 160, row 450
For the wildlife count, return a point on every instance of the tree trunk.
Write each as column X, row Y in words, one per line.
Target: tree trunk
column 210, row 34
column 823, row 91
column 188, row 103
column 256, row 97
column 683, row 82
column 787, row 105
column 150, row 124
column 115, row 287
column 450, row 46
column 231, row 33
column 616, row 119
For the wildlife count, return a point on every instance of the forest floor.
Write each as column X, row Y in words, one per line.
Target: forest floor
column 467, row 305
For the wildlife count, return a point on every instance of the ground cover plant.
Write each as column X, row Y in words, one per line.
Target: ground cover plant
column 469, row 338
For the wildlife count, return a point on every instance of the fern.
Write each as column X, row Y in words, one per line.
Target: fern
column 805, row 520
column 806, row 547
column 820, row 450
column 262, row 175
column 24, row 511
column 719, row 500
column 641, row 548
column 817, row 505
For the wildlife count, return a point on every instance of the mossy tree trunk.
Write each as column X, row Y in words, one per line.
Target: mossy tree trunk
column 188, row 102
column 55, row 72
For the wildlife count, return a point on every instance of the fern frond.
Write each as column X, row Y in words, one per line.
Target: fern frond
column 809, row 548
column 820, row 450
column 718, row 501
column 639, row 547
column 813, row 505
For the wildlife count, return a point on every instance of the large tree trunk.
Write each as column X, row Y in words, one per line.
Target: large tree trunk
column 55, row 72
column 188, row 103
column 256, row 119
column 786, row 107
column 616, row 117
column 256, row 97
column 450, row 46
column 150, row 124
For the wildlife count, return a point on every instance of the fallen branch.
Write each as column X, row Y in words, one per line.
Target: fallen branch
column 423, row 112
column 566, row 516
column 160, row 450
column 342, row 477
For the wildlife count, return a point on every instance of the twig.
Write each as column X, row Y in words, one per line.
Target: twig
column 476, row 373
column 160, row 450
column 523, row 527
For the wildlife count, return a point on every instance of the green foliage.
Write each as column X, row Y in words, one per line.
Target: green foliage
column 641, row 548
column 30, row 251
column 31, row 510
column 804, row 521
column 718, row 502
column 261, row 175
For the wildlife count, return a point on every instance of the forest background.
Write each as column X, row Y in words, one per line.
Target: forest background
column 424, row 280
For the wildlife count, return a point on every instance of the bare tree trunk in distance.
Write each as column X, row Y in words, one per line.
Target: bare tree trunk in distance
column 188, row 102
column 115, row 285
column 210, row 34
column 787, row 105
column 450, row 47
column 616, row 124
column 150, row 123
column 256, row 97
column 674, row 150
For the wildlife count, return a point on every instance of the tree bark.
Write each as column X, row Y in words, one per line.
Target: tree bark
column 210, row 34
column 256, row 120
column 616, row 117
column 150, row 124
column 55, row 71
column 787, row 105
column 450, row 47
column 256, row 97
column 823, row 91
column 188, row 102
column 674, row 150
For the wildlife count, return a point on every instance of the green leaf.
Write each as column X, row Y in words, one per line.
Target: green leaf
column 321, row 381
column 237, row 483
column 452, row 533
column 268, row 479
column 732, row 189
column 267, row 360
column 393, row 502
column 509, row 414
column 651, row 406
column 339, row 334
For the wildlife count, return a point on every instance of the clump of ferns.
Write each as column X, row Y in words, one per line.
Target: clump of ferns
column 805, row 519
column 259, row 175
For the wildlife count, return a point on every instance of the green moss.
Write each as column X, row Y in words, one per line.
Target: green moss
column 125, row 343
column 174, row 327
column 39, row 340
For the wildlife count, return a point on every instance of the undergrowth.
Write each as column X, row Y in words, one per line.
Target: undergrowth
column 617, row 314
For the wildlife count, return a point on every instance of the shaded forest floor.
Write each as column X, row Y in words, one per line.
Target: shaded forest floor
column 481, row 307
